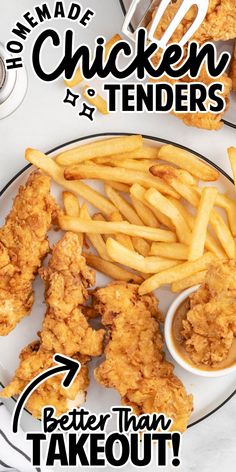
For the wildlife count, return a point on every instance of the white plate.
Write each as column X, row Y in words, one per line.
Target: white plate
column 230, row 115
column 209, row 394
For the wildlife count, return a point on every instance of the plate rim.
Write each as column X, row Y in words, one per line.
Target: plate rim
column 155, row 139
column 124, row 11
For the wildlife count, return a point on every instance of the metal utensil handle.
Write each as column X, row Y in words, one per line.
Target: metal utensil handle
column 183, row 9
column 128, row 18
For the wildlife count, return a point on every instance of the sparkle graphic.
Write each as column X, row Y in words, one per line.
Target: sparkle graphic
column 71, row 98
column 88, row 111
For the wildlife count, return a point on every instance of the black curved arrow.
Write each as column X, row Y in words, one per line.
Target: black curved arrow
column 71, row 366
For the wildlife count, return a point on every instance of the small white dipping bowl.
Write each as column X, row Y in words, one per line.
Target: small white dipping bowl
column 171, row 347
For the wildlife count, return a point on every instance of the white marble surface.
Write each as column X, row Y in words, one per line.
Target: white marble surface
column 43, row 121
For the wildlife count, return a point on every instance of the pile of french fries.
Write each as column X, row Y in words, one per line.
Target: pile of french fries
column 161, row 220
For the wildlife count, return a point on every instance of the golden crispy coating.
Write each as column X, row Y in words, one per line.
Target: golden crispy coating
column 209, row 121
column 135, row 363
column 23, row 245
column 65, row 330
column 33, row 361
column 233, row 69
column 210, row 325
column 219, row 24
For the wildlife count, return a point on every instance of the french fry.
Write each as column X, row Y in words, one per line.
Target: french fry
column 232, row 158
column 177, row 251
column 71, row 204
column 100, row 217
column 121, row 238
column 184, row 212
column 186, row 191
column 138, row 192
column 123, row 206
column 147, row 216
column 231, row 214
column 147, row 265
column 141, row 246
column 76, row 80
column 68, row 223
column 126, row 176
column 229, row 205
column 196, row 249
column 50, row 168
column 176, row 273
column 160, row 169
column 144, row 152
column 78, row 77
column 190, row 281
column 157, row 200
column 99, row 149
column 131, row 216
column 211, row 243
column 97, row 101
column 221, row 229
column 142, row 164
column 95, row 239
column 186, row 160
column 111, row 270
column 223, row 234
column 118, row 186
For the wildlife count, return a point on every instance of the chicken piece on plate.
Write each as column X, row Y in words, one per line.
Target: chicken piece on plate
column 33, row 361
column 23, row 246
column 67, row 278
column 210, row 325
column 135, row 363
column 65, row 331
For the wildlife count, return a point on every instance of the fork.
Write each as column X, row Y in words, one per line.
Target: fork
column 202, row 6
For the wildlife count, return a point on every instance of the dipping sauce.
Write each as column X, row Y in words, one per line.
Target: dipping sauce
column 178, row 341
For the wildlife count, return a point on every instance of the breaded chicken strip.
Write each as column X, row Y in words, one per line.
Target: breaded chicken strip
column 135, row 363
column 65, row 330
column 210, row 325
column 23, row 245
column 233, row 68
column 67, row 277
column 218, row 25
column 210, row 121
column 33, row 361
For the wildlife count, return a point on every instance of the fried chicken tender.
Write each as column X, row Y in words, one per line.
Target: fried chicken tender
column 233, row 69
column 33, row 361
column 218, row 25
column 210, row 325
column 67, row 277
column 23, row 246
column 135, row 363
column 210, row 121
column 65, row 330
